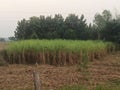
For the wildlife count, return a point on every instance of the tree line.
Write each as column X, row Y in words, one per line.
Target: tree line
column 104, row 27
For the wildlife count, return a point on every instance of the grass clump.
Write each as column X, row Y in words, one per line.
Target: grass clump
column 98, row 87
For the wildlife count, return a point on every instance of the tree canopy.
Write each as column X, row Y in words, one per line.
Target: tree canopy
column 104, row 27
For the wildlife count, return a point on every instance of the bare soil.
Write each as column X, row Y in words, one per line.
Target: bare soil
column 20, row 77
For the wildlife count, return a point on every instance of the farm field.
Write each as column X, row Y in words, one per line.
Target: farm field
column 56, row 52
column 60, row 45
column 19, row 77
column 99, row 65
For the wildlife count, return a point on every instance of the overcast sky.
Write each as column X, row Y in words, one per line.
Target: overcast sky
column 12, row 11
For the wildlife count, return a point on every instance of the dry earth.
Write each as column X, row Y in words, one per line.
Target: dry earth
column 20, row 77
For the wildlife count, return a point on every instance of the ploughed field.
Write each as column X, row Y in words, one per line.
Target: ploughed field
column 60, row 63
column 102, row 71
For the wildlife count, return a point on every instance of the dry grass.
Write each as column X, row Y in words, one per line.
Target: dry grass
column 19, row 77
column 3, row 45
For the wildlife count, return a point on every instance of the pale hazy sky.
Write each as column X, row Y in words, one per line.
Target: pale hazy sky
column 13, row 10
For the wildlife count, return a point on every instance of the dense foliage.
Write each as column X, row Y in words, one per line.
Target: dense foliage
column 104, row 27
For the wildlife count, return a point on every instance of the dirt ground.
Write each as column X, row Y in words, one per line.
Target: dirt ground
column 20, row 77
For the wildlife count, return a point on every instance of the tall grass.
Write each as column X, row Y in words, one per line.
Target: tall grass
column 56, row 52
